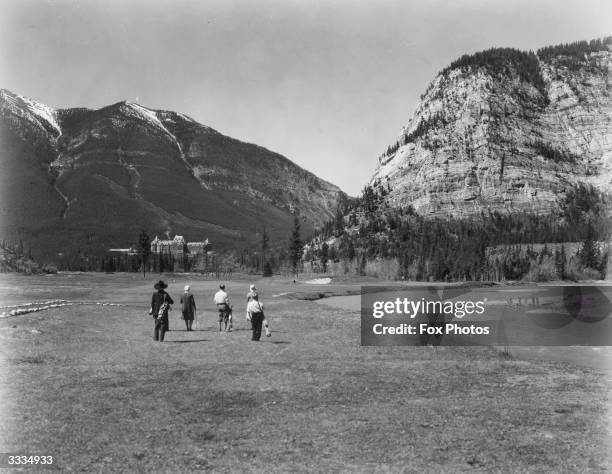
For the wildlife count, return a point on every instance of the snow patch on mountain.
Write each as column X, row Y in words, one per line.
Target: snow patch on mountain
column 189, row 119
column 40, row 111
column 44, row 112
column 149, row 116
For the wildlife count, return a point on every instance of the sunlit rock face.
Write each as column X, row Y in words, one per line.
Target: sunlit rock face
column 507, row 141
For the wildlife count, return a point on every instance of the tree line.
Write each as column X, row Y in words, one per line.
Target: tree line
column 461, row 249
column 577, row 49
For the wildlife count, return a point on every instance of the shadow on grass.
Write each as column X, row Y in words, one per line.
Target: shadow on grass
column 28, row 360
column 185, row 342
column 505, row 354
column 216, row 329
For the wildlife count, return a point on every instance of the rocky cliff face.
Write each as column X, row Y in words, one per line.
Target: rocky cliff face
column 506, row 131
column 93, row 178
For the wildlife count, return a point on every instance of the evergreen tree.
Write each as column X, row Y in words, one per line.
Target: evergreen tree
column 295, row 246
column 362, row 265
column 144, row 249
column 560, row 262
column 350, row 253
column 264, row 247
column 333, row 256
column 324, row 256
column 267, row 271
column 589, row 253
column 338, row 221
column 603, row 266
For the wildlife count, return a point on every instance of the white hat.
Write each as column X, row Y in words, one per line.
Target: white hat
column 186, row 288
column 253, row 287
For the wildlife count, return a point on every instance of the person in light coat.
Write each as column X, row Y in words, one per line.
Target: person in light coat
column 188, row 308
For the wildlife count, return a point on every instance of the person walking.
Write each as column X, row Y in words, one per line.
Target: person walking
column 250, row 295
column 160, row 305
column 223, row 306
column 255, row 312
column 188, row 308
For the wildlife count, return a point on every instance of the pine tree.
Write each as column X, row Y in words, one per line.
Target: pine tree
column 264, row 247
column 350, row 251
column 267, row 271
column 603, row 265
column 362, row 265
column 560, row 262
column 589, row 253
column 338, row 221
column 333, row 256
column 324, row 256
column 295, row 246
column 144, row 249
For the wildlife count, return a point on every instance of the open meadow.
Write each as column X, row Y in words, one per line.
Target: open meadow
column 86, row 383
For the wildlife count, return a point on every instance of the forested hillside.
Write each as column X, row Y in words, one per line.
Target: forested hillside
column 369, row 238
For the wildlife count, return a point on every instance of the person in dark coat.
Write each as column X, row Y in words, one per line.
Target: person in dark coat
column 188, row 307
column 160, row 305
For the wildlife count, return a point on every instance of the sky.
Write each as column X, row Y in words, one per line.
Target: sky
column 328, row 84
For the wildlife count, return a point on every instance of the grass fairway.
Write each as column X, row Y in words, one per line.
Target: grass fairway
column 87, row 384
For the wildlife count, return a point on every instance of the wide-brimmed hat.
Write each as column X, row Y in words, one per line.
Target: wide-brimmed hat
column 160, row 285
column 253, row 287
column 186, row 288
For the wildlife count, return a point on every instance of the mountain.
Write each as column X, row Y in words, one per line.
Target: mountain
column 507, row 131
column 87, row 180
column 504, row 172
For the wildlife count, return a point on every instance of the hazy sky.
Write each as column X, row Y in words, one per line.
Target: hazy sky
column 326, row 83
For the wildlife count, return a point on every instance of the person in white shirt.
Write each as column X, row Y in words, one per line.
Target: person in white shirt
column 253, row 293
column 223, row 305
column 256, row 315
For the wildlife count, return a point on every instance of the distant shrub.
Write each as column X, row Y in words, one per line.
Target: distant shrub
column 383, row 268
column 575, row 271
column 267, row 270
column 49, row 268
column 544, row 270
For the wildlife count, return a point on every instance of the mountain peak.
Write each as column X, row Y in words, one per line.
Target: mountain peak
column 21, row 105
